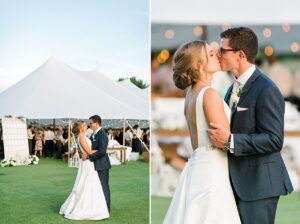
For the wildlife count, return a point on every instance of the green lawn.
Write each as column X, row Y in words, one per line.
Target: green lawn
column 288, row 211
column 34, row 194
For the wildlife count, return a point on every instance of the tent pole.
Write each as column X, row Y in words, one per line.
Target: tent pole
column 69, row 138
column 124, row 125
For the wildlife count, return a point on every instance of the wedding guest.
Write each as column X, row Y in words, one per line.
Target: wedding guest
column 35, row 131
column 128, row 137
column 65, row 136
column 1, row 144
column 110, row 134
column 38, row 142
column 59, row 142
column 118, row 136
column 281, row 75
column 136, row 141
column 146, row 137
column 48, row 142
column 30, row 136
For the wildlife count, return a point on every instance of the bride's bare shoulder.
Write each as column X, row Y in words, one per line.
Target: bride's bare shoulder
column 212, row 97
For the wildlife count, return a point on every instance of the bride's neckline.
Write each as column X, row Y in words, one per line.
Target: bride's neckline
column 202, row 88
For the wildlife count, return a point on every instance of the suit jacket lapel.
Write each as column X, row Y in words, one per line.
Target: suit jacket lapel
column 249, row 85
column 228, row 94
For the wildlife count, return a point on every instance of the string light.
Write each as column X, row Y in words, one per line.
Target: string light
column 294, row 47
column 198, row 31
column 163, row 56
column 268, row 50
column 169, row 34
column 267, row 32
column 286, row 27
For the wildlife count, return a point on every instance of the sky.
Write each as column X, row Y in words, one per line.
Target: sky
column 112, row 36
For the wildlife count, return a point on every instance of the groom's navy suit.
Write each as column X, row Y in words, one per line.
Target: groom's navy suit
column 101, row 162
column 257, row 172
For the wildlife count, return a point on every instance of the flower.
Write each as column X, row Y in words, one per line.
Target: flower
column 13, row 162
column 237, row 94
column 4, row 163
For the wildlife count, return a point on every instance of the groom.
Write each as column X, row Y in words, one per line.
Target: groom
column 257, row 171
column 100, row 158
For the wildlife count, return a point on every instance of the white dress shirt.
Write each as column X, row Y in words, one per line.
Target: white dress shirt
column 49, row 135
column 128, row 135
column 96, row 131
column 29, row 134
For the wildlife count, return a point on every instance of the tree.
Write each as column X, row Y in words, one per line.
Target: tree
column 121, row 79
column 139, row 82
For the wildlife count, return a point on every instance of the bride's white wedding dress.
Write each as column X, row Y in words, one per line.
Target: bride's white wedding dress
column 203, row 194
column 86, row 201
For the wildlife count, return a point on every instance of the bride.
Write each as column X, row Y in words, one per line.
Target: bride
column 86, row 201
column 203, row 194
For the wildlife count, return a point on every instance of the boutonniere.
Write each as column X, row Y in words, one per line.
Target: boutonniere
column 237, row 94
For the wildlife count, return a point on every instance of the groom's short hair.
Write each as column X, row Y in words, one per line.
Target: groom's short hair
column 242, row 38
column 96, row 119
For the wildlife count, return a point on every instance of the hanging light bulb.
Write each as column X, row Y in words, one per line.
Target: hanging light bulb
column 286, row 27
column 267, row 32
column 294, row 47
column 268, row 50
column 164, row 54
column 169, row 34
column 198, row 31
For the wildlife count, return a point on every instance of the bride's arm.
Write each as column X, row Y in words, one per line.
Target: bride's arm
column 85, row 146
column 213, row 107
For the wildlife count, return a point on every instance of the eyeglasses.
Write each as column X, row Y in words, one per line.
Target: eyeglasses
column 222, row 50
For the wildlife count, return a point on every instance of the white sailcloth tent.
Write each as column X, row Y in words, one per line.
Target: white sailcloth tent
column 230, row 11
column 116, row 90
column 54, row 90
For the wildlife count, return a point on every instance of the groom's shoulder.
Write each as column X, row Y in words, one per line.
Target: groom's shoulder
column 102, row 133
column 264, row 81
column 265, row 84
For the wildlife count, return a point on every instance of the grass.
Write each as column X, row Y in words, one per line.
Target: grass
column 34, row 194
column 287, row 212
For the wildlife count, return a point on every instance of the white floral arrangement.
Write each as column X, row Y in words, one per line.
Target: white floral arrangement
column 237, row 95
column 33, row 160
column 6, row 162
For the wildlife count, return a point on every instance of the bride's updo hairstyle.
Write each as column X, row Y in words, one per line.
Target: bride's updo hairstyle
column 77, row 126
column 187, row 59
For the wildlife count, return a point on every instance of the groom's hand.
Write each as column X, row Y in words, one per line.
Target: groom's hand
column 218, row 135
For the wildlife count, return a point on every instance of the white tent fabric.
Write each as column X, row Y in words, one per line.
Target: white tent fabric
column 230, row 11
column 116, row 90
column 143, row 93
column 54, row 90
